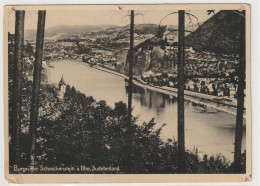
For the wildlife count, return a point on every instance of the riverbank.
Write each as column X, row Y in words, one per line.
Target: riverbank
column 197, row 98
column 201, row 122
column 97, row 133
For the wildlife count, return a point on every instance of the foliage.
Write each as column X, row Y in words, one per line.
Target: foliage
column 79, row 131
column 222, row 29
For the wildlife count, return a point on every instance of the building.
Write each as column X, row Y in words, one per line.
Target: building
column 169, row 36
column 62, row 88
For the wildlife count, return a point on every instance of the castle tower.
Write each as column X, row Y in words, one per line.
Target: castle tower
column 62, row 88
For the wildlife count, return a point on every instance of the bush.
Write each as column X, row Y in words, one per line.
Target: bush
column 79, row 131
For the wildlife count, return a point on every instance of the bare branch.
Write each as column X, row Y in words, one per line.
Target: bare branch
column 139, row 14
column 164, row 18
column 189, row 14
column 122, row 31
column 191, row 22
column 115, row 54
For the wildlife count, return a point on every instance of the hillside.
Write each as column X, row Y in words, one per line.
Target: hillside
column 75, row 29
column 218, row 34
column 29, row 34
column 139, row 29
column 147, row 28
column 106, row 29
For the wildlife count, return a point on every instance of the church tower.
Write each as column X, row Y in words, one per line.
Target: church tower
column 62, row 88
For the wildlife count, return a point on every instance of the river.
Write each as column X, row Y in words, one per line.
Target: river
column 211, row 131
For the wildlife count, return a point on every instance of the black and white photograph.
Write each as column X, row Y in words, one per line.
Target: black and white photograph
column 128, row 89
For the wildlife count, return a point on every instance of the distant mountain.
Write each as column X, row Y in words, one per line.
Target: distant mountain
column 75, row 29
column 218, row 34
column 29, row 34
column 148, row 28
column 188, row 27
column 153, row 28
column 139, row 29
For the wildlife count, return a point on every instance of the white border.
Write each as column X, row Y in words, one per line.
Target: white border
column 255, row 75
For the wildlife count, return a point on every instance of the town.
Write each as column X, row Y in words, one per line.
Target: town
column 206, row 72
column 141, row 98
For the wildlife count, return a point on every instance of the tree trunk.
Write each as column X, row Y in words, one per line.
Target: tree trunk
column 17, row 88
column 181, row 142
column 128, row 161
column 131, row 68
column 36, row 84
column 240, row 98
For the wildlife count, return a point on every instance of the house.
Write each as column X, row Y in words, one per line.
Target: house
column 169, row 36
column 189, row 50
column 220, row 92
column 211, row 87
column 197, row 87
column 158, row 75
column 171, row 84
column 190, row 85
column 44, row 63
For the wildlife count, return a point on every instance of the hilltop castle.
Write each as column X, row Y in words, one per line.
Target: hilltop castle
column 62, row 88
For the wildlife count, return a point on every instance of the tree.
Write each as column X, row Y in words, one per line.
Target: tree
column 240, row 97
column 181, row 142
column 36, row 84
column 129, row 127
column 15, row 125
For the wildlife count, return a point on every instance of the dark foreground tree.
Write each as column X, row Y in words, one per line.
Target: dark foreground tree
column 36, row 84
column 15, row 117
column 240, row 98
column 181, row 142
column 127, row 148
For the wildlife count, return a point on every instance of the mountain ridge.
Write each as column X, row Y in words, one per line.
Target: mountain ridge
column 219, row 34
column 147, row 28
column 67, row 29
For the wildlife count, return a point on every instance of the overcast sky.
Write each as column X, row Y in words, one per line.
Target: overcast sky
column 104, row 17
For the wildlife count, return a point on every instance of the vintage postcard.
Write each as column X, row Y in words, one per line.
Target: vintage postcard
column 127, row 93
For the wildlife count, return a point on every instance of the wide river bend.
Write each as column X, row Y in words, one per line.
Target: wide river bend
column 211, row 131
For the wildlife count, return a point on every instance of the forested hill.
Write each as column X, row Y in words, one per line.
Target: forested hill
column 107, row 29
column 139, row 29
column 74, row 29
column 218, row 34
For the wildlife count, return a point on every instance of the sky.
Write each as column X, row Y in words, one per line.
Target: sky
column 102, row 17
